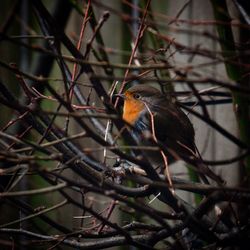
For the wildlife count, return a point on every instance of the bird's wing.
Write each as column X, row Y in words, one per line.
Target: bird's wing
column 173, row 128
column 176, row 132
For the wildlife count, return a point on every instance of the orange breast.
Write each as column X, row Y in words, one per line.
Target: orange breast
column 132, row 109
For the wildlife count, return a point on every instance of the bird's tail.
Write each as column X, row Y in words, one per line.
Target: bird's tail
column 205, row 170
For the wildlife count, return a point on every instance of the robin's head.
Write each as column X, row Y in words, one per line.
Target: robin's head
column 135, row 99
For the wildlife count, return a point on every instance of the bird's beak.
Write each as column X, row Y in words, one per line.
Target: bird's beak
column 120, row 95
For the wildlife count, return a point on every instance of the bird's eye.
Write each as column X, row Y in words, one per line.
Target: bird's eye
column 137, row 96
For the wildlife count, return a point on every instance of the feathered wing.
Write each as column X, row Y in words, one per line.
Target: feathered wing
column 176, row 132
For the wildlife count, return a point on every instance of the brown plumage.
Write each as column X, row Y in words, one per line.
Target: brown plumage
column 150, row 112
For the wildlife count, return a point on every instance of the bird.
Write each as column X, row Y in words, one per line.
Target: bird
column 157, row 120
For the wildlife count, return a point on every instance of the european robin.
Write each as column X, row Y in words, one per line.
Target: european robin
column 153, row 117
